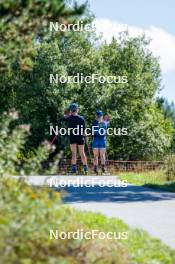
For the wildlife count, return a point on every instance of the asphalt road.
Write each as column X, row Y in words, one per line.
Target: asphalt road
column 139, row 207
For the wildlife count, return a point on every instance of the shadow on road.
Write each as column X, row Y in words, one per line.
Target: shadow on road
column 168, row 187
column 114, row 194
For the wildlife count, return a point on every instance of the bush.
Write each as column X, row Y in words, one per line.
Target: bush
column 170, row 167
column 28, row 214
column 11, row 140
column 15, row 157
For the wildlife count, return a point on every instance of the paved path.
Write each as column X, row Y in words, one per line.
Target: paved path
column 140, row 207
column 146, row 208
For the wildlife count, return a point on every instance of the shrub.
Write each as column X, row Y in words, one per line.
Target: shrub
column 15, row 159
column 170, row 167
column 28, row 214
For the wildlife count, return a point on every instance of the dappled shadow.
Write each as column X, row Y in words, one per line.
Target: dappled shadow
column 168, row 187
column 114, row 194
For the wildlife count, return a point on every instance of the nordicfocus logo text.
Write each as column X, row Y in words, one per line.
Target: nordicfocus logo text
column 89, row 131
column 88, row 183
column 79, row 26
column 93, row 78
column 88, row 235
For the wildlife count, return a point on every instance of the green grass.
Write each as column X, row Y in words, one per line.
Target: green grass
column 27, row 215
column 141, row 247
column 153, row 179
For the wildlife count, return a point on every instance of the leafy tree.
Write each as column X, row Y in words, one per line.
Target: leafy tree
column 131, row 105
column 22, row 25
column 32, row 55
column 24, row 22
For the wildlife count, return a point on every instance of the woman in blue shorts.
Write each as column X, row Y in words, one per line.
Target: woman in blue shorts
column 99, row 128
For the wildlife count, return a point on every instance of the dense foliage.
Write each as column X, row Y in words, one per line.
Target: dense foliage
column 15, row 159
column 170, row 167
column 131, row 105
column 30, row 54
column 169, row 112
column 22, row 25
column 22, row 22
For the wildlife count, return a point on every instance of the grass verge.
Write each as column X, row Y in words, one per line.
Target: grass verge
column 153, row 179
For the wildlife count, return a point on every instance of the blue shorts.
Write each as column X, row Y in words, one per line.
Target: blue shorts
column 99, row 143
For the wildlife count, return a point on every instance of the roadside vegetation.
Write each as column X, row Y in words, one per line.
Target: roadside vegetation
column 28, row 214
column 154, row 179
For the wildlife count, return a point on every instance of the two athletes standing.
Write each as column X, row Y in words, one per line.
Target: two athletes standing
column 78, row 141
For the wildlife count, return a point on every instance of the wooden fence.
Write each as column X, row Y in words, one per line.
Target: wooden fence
column 118, row 165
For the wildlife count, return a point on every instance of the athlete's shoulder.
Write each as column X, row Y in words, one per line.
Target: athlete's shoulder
column 81, row 117
column 64, row 118
column 95, row 122
column 68, row 117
